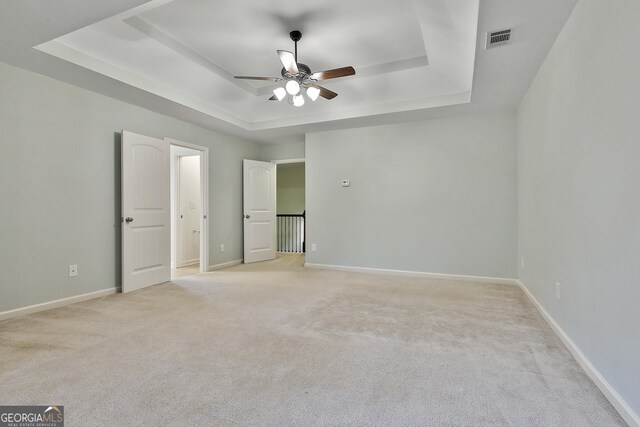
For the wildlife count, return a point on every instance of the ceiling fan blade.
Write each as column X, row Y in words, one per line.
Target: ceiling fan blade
column 324, row 92
column 273, row 79
column 288, row 62
column 332, row 74
column 273, row 98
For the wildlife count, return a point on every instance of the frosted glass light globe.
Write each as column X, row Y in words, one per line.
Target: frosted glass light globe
column 313, row 93
column 292, row 87
column 298, row 100
column 280, row 93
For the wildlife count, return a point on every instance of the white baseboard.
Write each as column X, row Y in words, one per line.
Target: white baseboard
column 610, row 393
column 459, row 277
column 57, row 303
column 225, row 265
column 188, row 263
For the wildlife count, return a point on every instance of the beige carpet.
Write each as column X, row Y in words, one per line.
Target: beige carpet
column 189, row 270
column 276, row 344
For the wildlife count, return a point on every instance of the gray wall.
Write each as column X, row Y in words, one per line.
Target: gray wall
column 291, row 150
column 290, row 188
column 579, row 187
column 59, row 184
column 434, row 196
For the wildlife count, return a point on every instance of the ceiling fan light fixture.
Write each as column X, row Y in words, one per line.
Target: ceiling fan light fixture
column 298, row 100
column 299, row 79
column 292, row 87
column 280, row 93
column 313, row 93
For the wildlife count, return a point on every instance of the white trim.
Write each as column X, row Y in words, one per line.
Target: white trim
column 186, row 144
column 607, row 389
column 225, row 265
column 204, row 194
column 169, row 42
column 58, row 48
column 176, row 236
column 458, row 277
column 57, row 303
column 288, row 161
column 190, row 262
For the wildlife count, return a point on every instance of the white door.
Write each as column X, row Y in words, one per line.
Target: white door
column 259, row 181
column 146, row 199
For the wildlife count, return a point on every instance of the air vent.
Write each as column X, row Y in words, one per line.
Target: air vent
column 498, row 38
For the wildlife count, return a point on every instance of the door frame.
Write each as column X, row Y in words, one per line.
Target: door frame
column 286, row 161
column 204, row 199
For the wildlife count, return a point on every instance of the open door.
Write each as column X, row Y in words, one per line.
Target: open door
column 259, row 183
column 146, row 199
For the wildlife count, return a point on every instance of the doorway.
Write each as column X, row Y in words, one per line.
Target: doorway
column 188, row 217
column 149, row 208
column 290, row 206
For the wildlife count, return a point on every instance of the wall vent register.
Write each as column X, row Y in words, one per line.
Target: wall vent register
column 499, row 38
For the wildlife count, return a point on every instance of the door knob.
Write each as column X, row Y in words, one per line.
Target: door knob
column 128, row 219
column 247, row 216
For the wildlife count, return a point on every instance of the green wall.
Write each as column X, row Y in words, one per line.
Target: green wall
column 290, row 188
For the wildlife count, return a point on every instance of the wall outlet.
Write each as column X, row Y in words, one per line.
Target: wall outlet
column 313, row 247
column 522, row 262
column 222, row 247
column 73, row 270
column 557, row 290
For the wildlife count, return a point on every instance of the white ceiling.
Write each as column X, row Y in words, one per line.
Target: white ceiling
column 417, row 59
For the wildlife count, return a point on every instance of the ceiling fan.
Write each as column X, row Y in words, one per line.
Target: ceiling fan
column 299, row 78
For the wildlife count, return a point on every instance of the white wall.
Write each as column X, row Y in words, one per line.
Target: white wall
column 435, row 196
column 579, row 187
column 189, row 210
column 59, row 185
column 176, row 151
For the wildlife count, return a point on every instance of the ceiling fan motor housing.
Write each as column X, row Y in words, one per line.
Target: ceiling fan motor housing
column 303, row 73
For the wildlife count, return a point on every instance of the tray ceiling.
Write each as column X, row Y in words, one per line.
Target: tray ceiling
column 414, row 55
column 415, row 59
